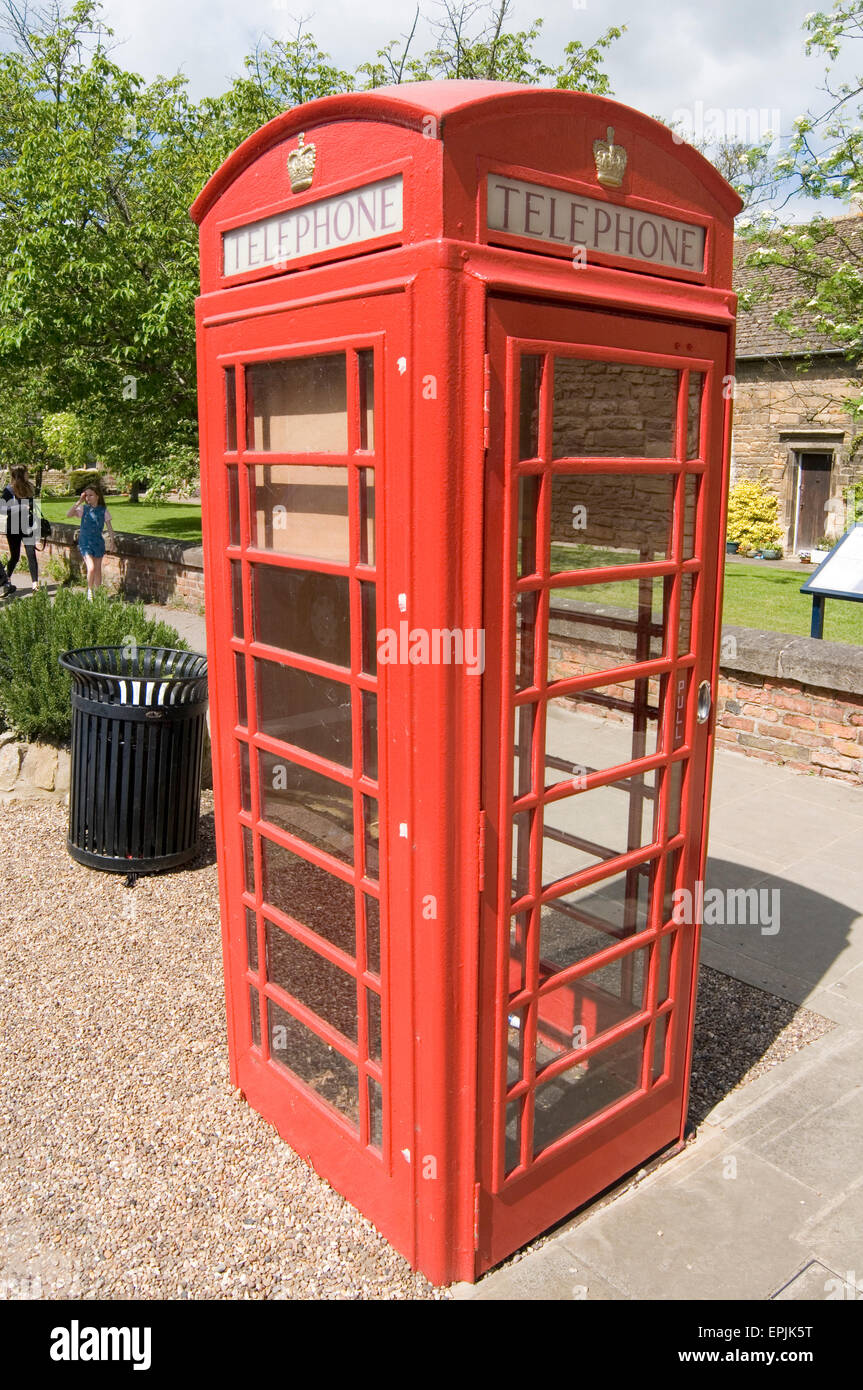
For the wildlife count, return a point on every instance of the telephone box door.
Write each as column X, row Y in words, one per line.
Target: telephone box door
column 604, row 500
column 297, row 435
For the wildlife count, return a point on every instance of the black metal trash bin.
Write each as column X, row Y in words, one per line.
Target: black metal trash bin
column 138, row 726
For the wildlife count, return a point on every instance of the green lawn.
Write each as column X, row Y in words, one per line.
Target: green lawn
column 758, row 597
column 177, row 521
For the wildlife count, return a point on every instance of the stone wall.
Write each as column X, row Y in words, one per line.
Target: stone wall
column 781, row 406
column 32, row 771
column 145, row 567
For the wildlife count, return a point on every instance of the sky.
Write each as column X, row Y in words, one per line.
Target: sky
column 699, row 62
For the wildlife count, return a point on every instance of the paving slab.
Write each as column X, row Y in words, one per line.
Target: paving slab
column 814, row 1282
column 553, row 1274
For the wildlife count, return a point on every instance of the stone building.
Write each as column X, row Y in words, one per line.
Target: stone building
column 792, row 426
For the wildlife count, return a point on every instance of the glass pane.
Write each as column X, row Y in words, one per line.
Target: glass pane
column 512, row 1152
column 372, row 832
column 684, row 628
column 310, row 711
column 518, row 931
column 525, row 720
column 691, row 485
column 596, row 627
column 596, row 729
column 368, row 600
column 672, row 878
column 240, row 678
column 675, row 793
column 590, row 827
column 587, row 920
column 309, row 895
column 521, row 825
column 367, row 515
column 376, row 1113
column 576, row 1013
column 315, row 981
column 370, row 734
column 693, row 414
column 373, row 1002
column 251, row 939
column 659, row 1039
column 531, row 376
column 528, row 502
column 320, row 1066
column 237, row 598
column 366, row 370
column 664, row 967
column 373, row 934
column 525, row 628
column 587, row 1088
column 303, row 612
column 306, row 804
column 233, row 507
column 298, row 406
column 230, row 408
column 248, row 861
column 301, row 510
column 255, row 1016
column 245, row 778
column 600, row 519
column 613, row 409
column 515, row 1046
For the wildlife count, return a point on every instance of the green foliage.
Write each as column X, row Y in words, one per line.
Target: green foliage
column 34, row 688
column 64, row 439
column 81, row 478
column 753, row 517
column 63, row 569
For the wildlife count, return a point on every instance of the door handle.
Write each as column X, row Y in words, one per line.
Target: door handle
column 705, row 702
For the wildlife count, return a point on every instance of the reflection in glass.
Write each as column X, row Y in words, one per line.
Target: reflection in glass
column 587, row 1088
column 306, row 804
column 608, row 625
column 525, row 629
column 248, row 861
column 691, row 484
column 373, row 1003
column 370, row 734
column 625, row 726
column 255, row 1016
column 252, row 940
column 675, row 793
column 240, row 679
column 660, row 1038
column 311, row 896
column 230, row 409
column 320, row 1066
column 672, row 875
column 306, row 710
column 313, row 980
column 518, row 930
column 300, row 509
column 373, row 934
column 521, row 825
column 367, row 515
column 613, row 409
column 298, row 405
column 664, row 970
column 245, row 778
column 587, row 920
column 376, row 1113
column 237, row 598
column 576, row 1013
column 531, row 376
column 366, row 371
column 590, row 827
column 233, row 507
column 525, row 718
column 515, row 1046
column 528, row 503
column 368, row 602
column 693, row 415
column 372, row 833
column 512, row 1151
column 600, row 519
column 684, row 627
column 304, row 612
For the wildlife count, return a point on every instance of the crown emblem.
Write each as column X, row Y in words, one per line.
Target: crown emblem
column 610, row 161
column 301, row 166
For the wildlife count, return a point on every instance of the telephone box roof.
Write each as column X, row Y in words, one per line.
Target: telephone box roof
column 452, row 102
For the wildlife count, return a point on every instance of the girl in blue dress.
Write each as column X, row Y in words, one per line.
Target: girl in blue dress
column 95, row 517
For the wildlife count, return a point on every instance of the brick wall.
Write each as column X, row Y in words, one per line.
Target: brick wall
column 145, row 567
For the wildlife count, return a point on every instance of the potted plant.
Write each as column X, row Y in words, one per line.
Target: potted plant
column 821, row 549
column 772, row 552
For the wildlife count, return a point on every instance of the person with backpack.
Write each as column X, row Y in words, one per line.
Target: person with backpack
column 19, row 508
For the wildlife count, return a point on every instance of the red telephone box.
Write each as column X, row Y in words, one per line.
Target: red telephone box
column 464, row 357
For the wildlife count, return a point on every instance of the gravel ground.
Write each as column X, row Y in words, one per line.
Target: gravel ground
column 134, row 1171
column 131, row 1170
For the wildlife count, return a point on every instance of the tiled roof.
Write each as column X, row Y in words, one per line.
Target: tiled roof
column 757, row 333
